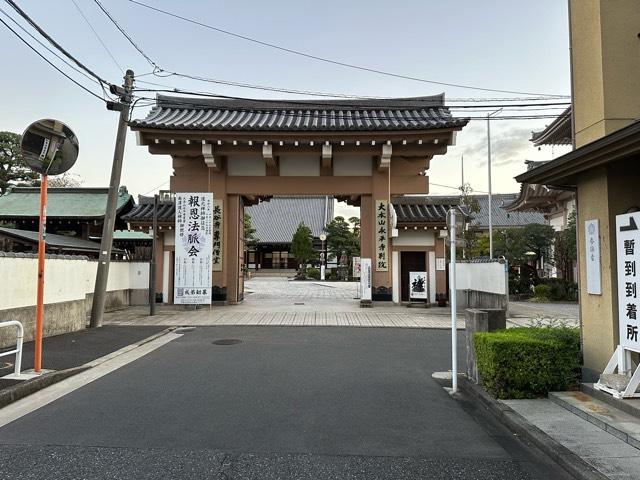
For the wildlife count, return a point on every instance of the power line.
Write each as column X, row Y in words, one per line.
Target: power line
column 328, row 60
column 97, row 36
column 126, row 35
column 49, row 62
column 53, row 42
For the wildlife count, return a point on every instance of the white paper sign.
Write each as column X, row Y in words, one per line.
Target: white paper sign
column 193, row 244
column 592, row 245
column 356, row 267
column 418, row 286
column 628, row 262
column 440, row 264
column 365, row 278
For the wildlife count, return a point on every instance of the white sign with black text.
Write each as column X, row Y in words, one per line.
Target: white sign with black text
column 193, row 247
column 592, row 238
column 628, row 253
column 365, row 279
column 356, row 267
column 418, row 286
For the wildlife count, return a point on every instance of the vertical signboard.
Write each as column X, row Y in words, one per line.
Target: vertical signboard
column 217, row 230
column 356, row 267
column 365, row 278
column 628, row 262
column 193, row 244
column 592, row 237
column 382, row 236
column 418, row 286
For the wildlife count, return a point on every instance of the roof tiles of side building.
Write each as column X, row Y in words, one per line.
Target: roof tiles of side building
column 424, row 209
column 56, row 242
column 500, row 217
column 277, row 220
column 558, row 132
column 90, row 203
column 397, row 114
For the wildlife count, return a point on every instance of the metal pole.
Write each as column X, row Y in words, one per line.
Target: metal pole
column 100, row 290
column 489, row 170
column 42, row 235
column 152, row 266
column 454, row 305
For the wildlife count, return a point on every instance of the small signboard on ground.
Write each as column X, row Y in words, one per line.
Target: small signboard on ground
column 418, row 286
column 628, row 253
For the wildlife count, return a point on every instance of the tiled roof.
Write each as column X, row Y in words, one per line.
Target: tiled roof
column 431, row 209
column 417, row 113
column 143, row 211
column 21, row 202
column 500, row 216
column 57, row 242
column 557, row 132
column 276, row 221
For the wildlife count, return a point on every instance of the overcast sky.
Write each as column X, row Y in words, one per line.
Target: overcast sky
column 499, row 44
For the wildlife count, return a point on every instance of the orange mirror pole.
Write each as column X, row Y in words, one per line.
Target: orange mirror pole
column 42, row 233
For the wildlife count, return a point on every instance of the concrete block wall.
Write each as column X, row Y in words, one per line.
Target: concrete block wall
column 69, row 283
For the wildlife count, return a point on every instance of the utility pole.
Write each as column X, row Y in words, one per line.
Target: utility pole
column 489, row 173
column 451, row 217
column 100, row 290
column 152, row 267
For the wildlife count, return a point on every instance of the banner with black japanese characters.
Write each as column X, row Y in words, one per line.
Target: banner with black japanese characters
column 382, row 237
column 194, row 248
column 217, row 235
column 628, row 249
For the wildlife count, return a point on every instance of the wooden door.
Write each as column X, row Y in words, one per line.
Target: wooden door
column 410, row 262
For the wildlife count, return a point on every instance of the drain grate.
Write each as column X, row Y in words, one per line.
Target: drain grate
column 227, row 341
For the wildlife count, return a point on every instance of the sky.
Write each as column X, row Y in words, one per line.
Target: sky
column 498, row 44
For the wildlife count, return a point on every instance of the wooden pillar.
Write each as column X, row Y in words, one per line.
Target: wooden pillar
column 231, row 247
column 217, row 184
column 366, row 226
column 382, row 289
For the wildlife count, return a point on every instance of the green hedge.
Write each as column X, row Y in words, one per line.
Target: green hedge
column 528, row 362
column 313, row 273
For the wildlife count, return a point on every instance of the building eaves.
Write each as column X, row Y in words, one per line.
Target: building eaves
column 57, row 242
column 561, row 171
column 399, row 114
column 558, row 132
column 424, row 210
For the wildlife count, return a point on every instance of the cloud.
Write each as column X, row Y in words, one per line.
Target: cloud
column 509, row 144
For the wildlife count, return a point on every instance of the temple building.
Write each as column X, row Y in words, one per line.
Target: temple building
column 365, row 152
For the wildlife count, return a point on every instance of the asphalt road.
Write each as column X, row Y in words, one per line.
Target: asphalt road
column 299, row 403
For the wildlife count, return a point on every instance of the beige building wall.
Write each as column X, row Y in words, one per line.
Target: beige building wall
column 605, row 63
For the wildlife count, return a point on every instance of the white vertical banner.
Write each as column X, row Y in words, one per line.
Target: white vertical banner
column 218, row 231
column 193, row 244
column 628, row 262
column 356, row 267
column 592, row 246
column 365, row 279
column 382, row 236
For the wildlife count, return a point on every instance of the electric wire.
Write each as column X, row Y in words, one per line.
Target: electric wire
column 328, row 60
column 59, row 47
column 98, row 36
column 49, row 62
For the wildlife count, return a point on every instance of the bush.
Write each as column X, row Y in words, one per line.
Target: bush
column 542, row 292
column 560, row 289
column 313, row 273
column 528, row 362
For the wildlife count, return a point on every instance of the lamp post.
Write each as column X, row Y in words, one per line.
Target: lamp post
column 453, row 222
column 489, row 179
column 323, row 257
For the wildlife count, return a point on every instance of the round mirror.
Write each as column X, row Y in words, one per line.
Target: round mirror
column 49, row 147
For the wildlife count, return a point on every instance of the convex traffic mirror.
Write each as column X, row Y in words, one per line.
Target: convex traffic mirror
column 49, row 147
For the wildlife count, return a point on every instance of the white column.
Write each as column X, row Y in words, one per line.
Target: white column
column 166, row 268
column 432, row 277
column 395, row 276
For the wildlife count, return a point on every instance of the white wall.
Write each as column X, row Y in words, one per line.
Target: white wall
column 352, row 165
column 301, row 165
column 415, row 238
column 65, row 279
column 483, row 277
column 247, row 165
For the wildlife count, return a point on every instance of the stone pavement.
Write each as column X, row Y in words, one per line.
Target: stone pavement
column 611, row 456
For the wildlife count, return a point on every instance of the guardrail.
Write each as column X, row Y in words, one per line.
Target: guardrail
column 19, row 340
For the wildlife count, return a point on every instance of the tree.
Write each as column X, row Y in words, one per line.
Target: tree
column 340, row 238
column 302, row 246
column 66, row 180
column 13, row 170
column 470, row 234
column 565, row 251
column 250, row 237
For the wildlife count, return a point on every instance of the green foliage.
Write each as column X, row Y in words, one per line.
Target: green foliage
column 560, row 289
column 13, row 170
column 528, row 362
column 250, row 237
column 313, row 273
column 302, row 246
column 340, row 238
column 565, row 249
column 542, row 292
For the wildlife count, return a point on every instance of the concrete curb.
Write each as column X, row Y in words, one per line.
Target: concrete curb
column 560, row 454
column 26, row 388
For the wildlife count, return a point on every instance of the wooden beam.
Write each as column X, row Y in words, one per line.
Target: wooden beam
column 209, row 160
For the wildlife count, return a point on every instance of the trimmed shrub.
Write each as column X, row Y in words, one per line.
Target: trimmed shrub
column 313, row 273
column 542, row 292
column 528, row 362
